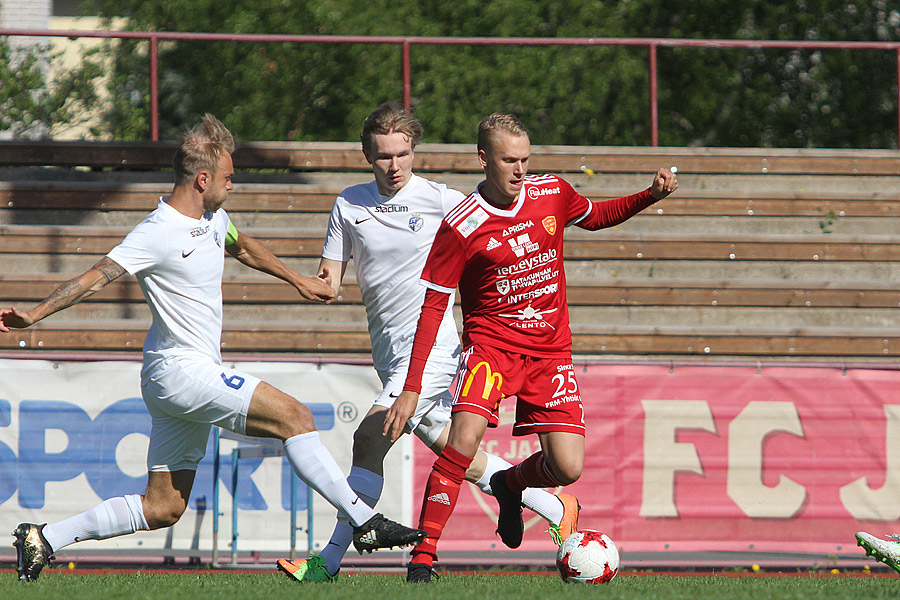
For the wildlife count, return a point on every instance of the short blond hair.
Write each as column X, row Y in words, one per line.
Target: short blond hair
column 494, row 124
column 390, row 117
column 201, row 148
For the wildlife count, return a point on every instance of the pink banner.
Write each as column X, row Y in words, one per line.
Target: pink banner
column 724, row 458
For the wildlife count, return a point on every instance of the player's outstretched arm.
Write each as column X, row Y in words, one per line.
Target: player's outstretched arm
column 255, row 255
column 71, row 292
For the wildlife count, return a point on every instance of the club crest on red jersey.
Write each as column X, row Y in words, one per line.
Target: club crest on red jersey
column 549, row 224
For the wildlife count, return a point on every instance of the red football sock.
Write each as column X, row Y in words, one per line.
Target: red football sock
column 441, row 492
column 531, row 472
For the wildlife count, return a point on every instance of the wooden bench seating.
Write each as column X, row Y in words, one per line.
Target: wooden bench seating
column 764, row 261
column 610, row 245
column 777, row 293
column 461, row 158
column 317, row 337
column 318, row 198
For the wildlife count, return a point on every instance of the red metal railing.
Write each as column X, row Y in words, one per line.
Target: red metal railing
column 406, row 42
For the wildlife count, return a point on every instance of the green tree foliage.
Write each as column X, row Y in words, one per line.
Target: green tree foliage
column 36, row 104
column 594, row 95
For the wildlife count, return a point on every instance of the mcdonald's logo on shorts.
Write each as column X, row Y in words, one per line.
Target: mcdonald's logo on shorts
column 491, row 380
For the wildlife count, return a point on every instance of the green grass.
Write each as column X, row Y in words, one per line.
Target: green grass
column 272, row 586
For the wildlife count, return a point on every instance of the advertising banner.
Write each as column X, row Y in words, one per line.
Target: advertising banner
column 716, row 458
column 73, row 434
column 680, row 459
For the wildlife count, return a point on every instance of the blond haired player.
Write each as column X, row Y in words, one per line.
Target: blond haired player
column 388, row 226
column 177, row 254
column 503, row 247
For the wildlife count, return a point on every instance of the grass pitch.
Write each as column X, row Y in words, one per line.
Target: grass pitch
column 273, row 585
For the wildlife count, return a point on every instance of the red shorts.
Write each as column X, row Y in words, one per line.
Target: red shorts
column 547, row 392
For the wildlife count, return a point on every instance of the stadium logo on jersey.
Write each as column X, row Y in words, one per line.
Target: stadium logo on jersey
column 549, row 224
column 534, row 192
column 472, row 222
column 391, row 208
column 522, row 244
column 493, row 243
column 503, row 286
column 416, row 221
column 517, row 228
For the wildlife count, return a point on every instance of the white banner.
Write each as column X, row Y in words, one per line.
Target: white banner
column 75, row 433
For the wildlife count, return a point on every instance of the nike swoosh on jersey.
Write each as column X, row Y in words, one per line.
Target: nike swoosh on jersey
column 186, row 254
column 358, row 221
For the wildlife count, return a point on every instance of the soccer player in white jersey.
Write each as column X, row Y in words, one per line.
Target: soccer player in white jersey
column 177, row 254
column 503, row 248
column 388, row 226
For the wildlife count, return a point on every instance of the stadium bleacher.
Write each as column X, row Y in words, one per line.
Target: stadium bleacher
column 775, row 253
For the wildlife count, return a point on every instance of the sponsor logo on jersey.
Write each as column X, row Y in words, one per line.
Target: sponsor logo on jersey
column 391, row 208
column 416, row 222
column 528, row 264
column 517, row 228
column 197, row 232
column 536, row 192
column 530, row 318
column 522, row 244
column 551, row 288
column 534, row 278
column 503, row 286
column 472, row 222
column 549, row 224
column 493, row 243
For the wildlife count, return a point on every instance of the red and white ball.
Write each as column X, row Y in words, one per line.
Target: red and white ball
column 587, row 556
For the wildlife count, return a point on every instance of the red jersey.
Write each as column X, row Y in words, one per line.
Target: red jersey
column 508, row 263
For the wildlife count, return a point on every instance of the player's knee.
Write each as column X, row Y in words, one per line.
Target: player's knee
column 568, row 472
column 298, row 419
column 163, row 514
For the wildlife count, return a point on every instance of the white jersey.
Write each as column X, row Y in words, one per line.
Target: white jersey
column 178, row 262
column 389, row 239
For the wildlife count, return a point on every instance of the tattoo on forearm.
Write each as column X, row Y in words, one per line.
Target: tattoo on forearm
column 64, row 294
column 110, row 269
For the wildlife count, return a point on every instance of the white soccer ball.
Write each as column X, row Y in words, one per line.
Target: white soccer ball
column 587, row 556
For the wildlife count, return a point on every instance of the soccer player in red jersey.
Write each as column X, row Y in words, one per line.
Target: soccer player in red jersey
column 503, row 247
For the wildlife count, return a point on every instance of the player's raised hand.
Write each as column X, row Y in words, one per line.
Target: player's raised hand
column 399, row 413
column 664, row 183
column 315, row 289
column 13, row 318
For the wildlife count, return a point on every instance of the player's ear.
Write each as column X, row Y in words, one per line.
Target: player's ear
column 202, row 180
column 482, row 157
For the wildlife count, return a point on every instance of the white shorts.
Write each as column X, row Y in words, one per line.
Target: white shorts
column 185, row 396
column 433, row 411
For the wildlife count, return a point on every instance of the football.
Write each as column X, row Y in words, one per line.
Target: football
column 587, row 556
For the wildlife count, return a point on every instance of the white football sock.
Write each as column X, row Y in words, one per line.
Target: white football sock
column 314, row 464
column 542, row 502
column 368, row 487
column 113, row 517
